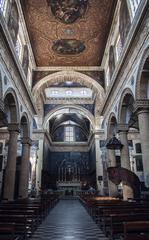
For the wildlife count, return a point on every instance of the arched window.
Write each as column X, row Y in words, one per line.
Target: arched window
column 138, row 148
column 124, row 21
column 111, row 61
column 13, row 22
column 25, row 61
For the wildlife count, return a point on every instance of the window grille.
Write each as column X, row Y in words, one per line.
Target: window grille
column 69, row 134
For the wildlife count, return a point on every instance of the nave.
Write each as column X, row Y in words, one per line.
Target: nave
column 68, row 220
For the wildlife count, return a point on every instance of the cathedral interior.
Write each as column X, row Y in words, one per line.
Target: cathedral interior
column 74, row 119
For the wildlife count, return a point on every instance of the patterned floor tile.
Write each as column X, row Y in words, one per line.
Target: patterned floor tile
column 68, row 221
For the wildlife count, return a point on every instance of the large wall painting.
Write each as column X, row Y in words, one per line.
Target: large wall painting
column 68, row 46
column 68, row 11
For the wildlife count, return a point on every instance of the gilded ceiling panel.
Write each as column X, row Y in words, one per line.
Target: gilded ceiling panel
column 47, row 25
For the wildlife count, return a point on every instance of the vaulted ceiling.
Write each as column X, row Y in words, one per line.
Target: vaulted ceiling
column 68, row 32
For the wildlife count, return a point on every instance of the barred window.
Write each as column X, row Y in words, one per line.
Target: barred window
column 69, row 134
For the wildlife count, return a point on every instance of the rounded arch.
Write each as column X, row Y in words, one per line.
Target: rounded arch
column 62, row 109
column 125, row 101
column 139, row 77
column 112, row 122
column 11, row 106
column 25, row 126
column 64, row 76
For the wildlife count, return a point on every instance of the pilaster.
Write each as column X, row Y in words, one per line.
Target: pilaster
column 10, row 171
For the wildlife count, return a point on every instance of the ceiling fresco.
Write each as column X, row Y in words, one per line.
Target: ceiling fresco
column 67, row 11
column 68, row 46
column 68, row 32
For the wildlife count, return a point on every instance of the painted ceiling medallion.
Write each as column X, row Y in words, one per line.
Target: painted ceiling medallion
column 68, row 46
column 68, row 11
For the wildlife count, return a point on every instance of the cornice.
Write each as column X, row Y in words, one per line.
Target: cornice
column 71, row 68
column 141, row 105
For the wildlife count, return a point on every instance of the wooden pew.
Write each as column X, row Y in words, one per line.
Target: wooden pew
column 25, row 215
column 137, row 230
column 8, row 232
column 114, row 223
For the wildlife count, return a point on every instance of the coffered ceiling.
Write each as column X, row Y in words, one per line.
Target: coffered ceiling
column 68, row 32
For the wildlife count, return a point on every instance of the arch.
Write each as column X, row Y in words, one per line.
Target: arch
column 112, row 122
column 63, row 76
column 122, row 109
column 25, row 126
column 69, row 76
column 143, row 59
column 11, row 105
column 61, row 110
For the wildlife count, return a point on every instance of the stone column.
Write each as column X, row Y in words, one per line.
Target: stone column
column 125, row 159
column 113, row 190
column 24, row 172
column 142, row 110
column 9, row 182
column 99, row 165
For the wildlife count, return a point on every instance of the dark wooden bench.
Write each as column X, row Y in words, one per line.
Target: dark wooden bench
column 137, row 230
column 114, row 223
column 24, row 216
column 8, row 232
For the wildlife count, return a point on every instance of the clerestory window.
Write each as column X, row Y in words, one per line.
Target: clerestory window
column 69, row 134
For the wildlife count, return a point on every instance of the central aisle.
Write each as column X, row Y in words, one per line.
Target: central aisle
column 68, row 221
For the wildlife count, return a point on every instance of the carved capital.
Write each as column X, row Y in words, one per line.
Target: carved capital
column 141, row 105
column 121, row 127
column 14, row 127
column 27, row 140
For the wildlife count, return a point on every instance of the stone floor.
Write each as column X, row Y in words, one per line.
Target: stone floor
column 68, row 221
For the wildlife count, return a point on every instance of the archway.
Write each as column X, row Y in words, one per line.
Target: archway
column 142, row 110
column 70, row 76
column 126, row 109
column 69, row 109
column 11, row 109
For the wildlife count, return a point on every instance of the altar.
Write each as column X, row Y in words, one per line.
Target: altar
column 69, row 188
